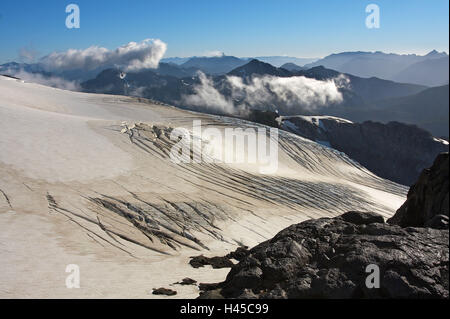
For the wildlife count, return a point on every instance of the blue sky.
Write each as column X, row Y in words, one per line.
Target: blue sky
column 302, row 28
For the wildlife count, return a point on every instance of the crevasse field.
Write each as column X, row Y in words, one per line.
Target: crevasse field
column 87, row 179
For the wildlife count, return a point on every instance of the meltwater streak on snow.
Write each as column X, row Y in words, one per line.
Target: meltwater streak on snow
column 74, row 189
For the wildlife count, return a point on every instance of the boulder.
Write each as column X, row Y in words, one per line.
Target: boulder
column 164, row 291
column 215, row 262
column 186, row 281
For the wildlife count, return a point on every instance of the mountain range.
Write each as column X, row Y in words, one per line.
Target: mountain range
column 359, row 96
column 368, row 90
column 364, row 98
column 430, row 69
column 292, row 67
column 276, row 60
column 428, row 109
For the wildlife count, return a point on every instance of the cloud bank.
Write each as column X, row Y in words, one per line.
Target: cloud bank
column 206, row 95
column 290, row 92
column 130, row 57
column 53, row 81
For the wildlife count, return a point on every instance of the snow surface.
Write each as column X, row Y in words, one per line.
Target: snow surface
column 75, row 190
column 317, row 121
column 440, row 140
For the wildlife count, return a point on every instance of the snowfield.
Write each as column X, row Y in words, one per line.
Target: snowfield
column 74, row 189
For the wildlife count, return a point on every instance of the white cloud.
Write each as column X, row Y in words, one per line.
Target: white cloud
column 211, row 54
column 207, row 96
column 293, row 92
column 131, row 57
column 52, row 81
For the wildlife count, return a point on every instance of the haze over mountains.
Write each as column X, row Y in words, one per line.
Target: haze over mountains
column 275, row 60
column 430, row 69
column 428, row 109
column 214, row 65
column 278, row 61
column 223, row 64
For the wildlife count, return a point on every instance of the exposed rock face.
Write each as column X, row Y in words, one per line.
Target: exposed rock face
column 239, row 254
column 327, row 258
column 427, row 203
column 395, row 151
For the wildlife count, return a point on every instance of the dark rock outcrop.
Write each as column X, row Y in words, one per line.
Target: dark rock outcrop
column 164, row 291
column 395, row 151
column 427, row 204
column 262, row 117
column 220, row 262
column 328, row 258
column 239, row 254
column 186, row 281
column 215, row 262
column 211, row 294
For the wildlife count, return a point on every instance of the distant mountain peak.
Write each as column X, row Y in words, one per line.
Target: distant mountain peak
column 214, row 64
column 257, row 62
column 292, row 67
column 260, row 68
column 435, row 53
